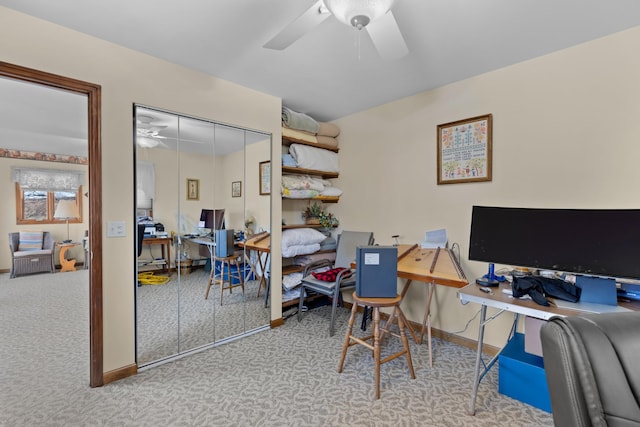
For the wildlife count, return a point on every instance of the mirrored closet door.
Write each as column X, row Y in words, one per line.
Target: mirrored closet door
column 197, row 198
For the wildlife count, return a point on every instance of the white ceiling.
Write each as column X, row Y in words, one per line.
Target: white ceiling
column 324, row 74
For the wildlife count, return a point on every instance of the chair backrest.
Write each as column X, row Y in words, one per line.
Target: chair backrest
column 591, row 364
column 348, row 241
column 47, row 241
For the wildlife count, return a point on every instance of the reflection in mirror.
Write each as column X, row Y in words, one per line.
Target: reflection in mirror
column 186, row 167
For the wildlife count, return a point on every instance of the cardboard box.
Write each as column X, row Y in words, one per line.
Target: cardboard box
column 521, row 375
column 532, row 342
column 245, row 271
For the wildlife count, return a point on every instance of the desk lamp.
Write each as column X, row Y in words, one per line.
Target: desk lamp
column 66, row 209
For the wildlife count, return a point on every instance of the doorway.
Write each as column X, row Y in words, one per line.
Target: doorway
column 93, row 94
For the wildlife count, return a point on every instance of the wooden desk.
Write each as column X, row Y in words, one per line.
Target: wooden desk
column 261, row 243
column 416, row 263
column 164, row 242
column 506, row 304
column 66, row 264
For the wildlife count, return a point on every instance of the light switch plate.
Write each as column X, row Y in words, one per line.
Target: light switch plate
column 116, row 229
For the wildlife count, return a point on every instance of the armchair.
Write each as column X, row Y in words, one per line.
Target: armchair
column 591, row 363
column 345, row 254
column 33, row 260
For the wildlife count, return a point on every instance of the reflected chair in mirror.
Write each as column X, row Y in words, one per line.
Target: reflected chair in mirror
column 31, row 252
column 591, row 365
column 345, row 255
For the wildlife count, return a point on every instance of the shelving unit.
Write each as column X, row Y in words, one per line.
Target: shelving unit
column 289, row 269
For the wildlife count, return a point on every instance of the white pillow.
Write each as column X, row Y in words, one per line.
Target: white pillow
column 293, row 250
column 301, row 236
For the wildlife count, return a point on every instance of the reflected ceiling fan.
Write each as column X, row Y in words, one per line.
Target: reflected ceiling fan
column 148, row 135
column 374, row 16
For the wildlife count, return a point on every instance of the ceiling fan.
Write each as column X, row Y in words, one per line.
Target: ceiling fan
column 374, row 16
column 148, row 135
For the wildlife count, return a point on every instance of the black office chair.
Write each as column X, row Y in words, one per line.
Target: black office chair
column 591, row 362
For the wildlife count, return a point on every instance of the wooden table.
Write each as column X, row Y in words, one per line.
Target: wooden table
column 261, row 243
column 164, row 242
column 66, row 264
column 432, row 267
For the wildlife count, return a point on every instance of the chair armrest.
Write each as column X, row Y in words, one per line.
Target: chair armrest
column 316, row 265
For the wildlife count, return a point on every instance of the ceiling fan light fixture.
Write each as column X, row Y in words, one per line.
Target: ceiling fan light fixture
column 358, row 13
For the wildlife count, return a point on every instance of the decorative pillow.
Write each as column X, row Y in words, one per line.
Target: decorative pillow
column 30, row 241
column 330, row 275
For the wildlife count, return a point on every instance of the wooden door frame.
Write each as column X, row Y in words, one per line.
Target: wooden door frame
column 93, row 93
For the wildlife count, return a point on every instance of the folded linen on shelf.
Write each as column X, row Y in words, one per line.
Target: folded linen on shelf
column 290, row 281
column 315, row 158
column 328, row 129
column 329, row 141
column 300, row 121
column 288, row 160
column 304, row 182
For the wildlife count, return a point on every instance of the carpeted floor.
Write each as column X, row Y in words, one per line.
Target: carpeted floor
column 175, row 317
column 281, row 377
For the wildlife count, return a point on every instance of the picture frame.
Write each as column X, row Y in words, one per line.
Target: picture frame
column 193, row 189
column 264, row 173
column 236, row 189
column 465, row 150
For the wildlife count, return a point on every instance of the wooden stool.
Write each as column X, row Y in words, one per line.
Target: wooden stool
column 225, row 263
column 375, row 304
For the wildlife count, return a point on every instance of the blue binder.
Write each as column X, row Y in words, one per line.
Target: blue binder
column 377, row 271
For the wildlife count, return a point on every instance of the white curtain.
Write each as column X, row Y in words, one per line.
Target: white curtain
column 146, row 182
column 47, row 179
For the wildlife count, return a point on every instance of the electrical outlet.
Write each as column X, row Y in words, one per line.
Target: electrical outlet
column 116, row 229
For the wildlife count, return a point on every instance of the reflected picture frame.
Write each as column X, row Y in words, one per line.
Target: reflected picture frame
column 193, row 189
column 264, row 173
column 236, row 189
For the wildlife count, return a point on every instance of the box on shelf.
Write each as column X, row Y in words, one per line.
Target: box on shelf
column 521, row 375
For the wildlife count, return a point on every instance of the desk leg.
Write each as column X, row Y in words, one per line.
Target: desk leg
column 476, row 372
column 426, row 322
column 478, row 376
column 404, row 291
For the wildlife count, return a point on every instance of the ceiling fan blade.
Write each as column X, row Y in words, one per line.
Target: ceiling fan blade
column 298, row 28
column 387, row 38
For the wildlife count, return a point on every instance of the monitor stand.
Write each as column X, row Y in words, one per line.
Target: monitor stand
column 490, row 279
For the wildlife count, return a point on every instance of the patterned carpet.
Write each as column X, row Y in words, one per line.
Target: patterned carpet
column 179, row 305
column 282, row 377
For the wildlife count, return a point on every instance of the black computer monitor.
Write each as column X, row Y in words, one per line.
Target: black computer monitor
column 213, row 219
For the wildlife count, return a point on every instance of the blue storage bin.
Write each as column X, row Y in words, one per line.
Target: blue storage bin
column 521, row 375
column 245, row 268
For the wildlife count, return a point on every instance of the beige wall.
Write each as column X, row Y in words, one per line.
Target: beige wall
column 128, row 77
column 8, row 210
column 565, row 135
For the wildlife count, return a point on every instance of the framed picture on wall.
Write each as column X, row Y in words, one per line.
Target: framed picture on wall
column 265, row 177
column 236, row 189
column 464, row 150
column 193, row 189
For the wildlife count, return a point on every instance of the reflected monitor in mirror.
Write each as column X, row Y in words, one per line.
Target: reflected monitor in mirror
column 213, row 219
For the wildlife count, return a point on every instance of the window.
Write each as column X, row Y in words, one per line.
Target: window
column 38, row 206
